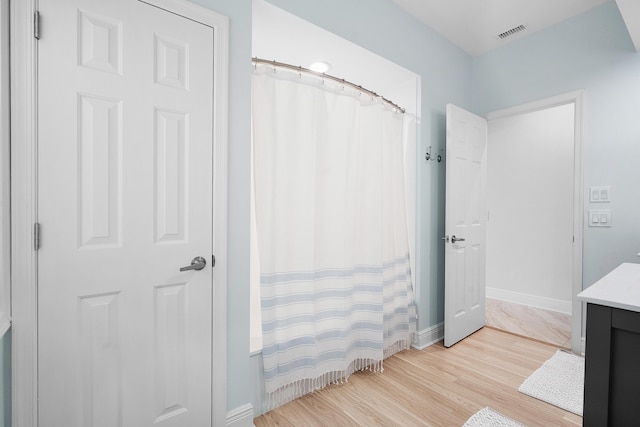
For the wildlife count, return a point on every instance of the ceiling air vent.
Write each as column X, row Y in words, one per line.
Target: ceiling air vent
column 512, row 31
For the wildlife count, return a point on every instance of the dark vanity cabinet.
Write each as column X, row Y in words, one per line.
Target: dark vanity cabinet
column 612, row 368
column 612, row 354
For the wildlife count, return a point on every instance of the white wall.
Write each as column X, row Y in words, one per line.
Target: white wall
column 530, row 202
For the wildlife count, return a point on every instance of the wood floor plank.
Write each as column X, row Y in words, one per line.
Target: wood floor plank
column 436, row 386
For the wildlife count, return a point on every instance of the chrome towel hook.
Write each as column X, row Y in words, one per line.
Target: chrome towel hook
column 428, row 155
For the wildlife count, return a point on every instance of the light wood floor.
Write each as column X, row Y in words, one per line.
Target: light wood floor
column 544, row 325
column 434, row 387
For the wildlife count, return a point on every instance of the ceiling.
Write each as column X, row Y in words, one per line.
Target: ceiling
column 474, row 25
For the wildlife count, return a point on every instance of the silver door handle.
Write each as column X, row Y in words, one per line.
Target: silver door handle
column 197, row 263
column 455, row 239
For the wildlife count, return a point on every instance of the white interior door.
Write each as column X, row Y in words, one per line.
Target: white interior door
column 125, row 201
column 465, row 224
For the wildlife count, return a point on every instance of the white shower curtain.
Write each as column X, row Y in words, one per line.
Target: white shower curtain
column 335, row 278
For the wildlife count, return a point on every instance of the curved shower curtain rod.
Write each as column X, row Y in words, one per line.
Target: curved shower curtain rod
column 327, row 76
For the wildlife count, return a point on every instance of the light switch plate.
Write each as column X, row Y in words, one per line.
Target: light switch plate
column 599, row 218
column 600, row 194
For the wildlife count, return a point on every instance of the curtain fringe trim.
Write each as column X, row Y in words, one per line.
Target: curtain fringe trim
column 299, row 388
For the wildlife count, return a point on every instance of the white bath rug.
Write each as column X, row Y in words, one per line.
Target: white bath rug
column 487, row 417
column 559, row 381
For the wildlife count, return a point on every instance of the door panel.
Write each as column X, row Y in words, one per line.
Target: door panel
column 458, row 279
column 100, row 171
column 465, row 210
column 170, row 208
column 125, row 201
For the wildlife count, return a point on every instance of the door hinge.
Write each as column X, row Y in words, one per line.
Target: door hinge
column 36, row 236
column 36, row 25
column 213, row 261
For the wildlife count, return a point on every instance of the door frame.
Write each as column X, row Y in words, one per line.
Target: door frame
column 5, row 193
column 24, row 209
column 578, row 99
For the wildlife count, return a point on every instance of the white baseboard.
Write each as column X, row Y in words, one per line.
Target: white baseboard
column 530, row 300
column 241, row 416
column 429, row 336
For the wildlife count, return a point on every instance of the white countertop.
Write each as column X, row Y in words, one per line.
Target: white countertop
column 618, row 289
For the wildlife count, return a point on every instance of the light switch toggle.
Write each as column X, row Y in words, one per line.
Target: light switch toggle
column 599, row 217
column 601, row 194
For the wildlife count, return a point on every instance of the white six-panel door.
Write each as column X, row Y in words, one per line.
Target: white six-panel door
column 125, row 200
column 465, row 224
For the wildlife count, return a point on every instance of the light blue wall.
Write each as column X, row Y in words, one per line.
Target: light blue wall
column 5, row 380
column 239, row 13
column 383, row 28
column 594, row 52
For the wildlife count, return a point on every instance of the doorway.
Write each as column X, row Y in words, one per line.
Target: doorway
column 534, row 220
